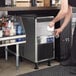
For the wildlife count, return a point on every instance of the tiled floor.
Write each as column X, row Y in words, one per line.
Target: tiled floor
column 8, row 68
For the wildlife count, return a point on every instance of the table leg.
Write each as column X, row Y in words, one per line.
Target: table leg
column 17, row 56
column 6, row 53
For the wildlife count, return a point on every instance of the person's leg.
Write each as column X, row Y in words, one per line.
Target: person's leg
column 72, row 59
column 73, row 54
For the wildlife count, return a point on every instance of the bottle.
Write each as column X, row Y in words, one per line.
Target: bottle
column 6, row 29
column 19, row 32
column 9, row 24
column 13, row 2
column 12, row 32
column 1, row 31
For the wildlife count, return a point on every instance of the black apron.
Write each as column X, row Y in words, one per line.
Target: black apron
column 73, row 48
column 72, row 3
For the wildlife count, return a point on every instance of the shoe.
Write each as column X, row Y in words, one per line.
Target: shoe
column 73, row 70
column 68, row 63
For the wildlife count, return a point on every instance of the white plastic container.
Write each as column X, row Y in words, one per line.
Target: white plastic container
column 1, row 33
column 40, row 3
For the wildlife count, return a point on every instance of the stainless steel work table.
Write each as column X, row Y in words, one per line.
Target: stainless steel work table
column 10, row 44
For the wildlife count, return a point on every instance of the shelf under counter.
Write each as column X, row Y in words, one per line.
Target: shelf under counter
column 12, row 43
column 17, row 54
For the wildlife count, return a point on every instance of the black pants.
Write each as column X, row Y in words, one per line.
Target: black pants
column 73, row 49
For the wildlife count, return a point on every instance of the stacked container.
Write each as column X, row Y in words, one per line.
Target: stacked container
column 39, row 3
column 23, row 3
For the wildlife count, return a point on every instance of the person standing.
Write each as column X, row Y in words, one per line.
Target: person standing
column 66, row 13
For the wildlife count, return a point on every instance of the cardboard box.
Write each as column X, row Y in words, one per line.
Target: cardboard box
column 47, row 3
column 23, row 3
